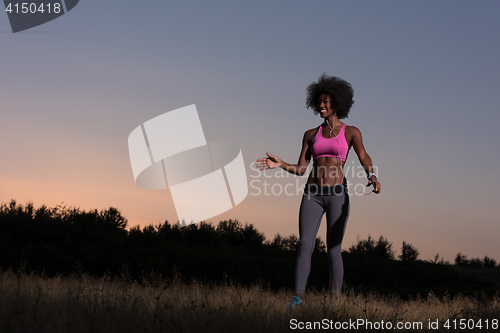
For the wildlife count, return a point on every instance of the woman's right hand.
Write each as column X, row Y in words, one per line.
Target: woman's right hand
column 269, row 163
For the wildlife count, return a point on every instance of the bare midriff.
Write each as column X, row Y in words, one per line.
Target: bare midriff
column 326, row 171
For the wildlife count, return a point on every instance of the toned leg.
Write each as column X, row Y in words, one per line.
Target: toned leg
column 337, row 212
column 310, row 214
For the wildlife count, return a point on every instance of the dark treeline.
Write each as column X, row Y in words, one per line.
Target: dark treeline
column 61, row 240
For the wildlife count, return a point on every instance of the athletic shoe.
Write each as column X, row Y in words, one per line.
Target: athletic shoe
column 295, row 303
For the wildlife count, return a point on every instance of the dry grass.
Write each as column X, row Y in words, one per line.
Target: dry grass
column 81, row 303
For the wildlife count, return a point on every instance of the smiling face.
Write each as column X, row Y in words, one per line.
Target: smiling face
column 324, row 106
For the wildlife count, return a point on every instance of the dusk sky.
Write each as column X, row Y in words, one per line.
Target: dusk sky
column 426, row 80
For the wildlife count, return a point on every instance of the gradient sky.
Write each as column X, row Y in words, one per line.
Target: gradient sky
column 425, row 74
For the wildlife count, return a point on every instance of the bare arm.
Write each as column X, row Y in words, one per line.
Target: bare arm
column 364, row 158
column 273, row 161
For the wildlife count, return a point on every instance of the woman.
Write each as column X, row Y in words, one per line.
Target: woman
column 326, row 187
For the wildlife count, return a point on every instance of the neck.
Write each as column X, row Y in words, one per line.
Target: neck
column 332, row 120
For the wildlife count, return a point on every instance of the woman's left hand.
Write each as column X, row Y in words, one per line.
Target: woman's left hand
column 376, row 184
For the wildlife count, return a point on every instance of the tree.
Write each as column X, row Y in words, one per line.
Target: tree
column 489, row 262
column 476, row 262
column 114, row 217
column 408, row 252
column 363, row 246
column 252, row 237
column 461, row 260
column 381, row 248
column 439, row 261
column 384, row 248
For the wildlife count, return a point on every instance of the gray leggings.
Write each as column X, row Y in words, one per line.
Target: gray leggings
column 334, row 201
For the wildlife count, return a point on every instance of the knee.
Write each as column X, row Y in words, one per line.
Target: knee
column 305, row 246
column 335, row 254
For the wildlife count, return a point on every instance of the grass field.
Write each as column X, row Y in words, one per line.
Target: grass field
column 82, row 303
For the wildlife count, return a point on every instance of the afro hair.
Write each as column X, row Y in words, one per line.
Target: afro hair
column 340, row 93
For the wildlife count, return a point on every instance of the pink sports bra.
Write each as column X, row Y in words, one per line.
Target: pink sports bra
column 329, row 146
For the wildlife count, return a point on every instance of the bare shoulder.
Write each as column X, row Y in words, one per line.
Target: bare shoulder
column 352, row 131
column 352, row 134
column 310, row 133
